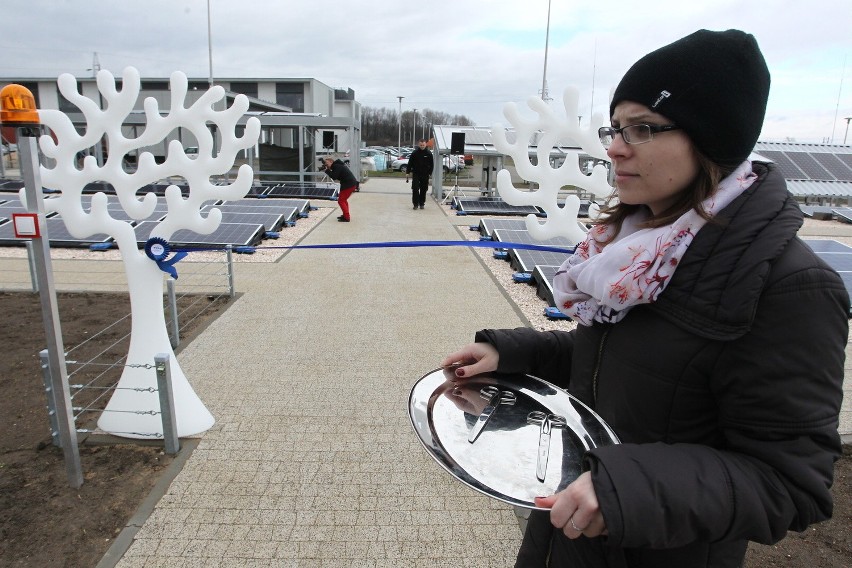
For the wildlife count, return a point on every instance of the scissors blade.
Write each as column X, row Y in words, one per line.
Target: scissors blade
column 483, row 419
column 543, row 450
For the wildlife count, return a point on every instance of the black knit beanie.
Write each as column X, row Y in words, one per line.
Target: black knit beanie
column 714, row 85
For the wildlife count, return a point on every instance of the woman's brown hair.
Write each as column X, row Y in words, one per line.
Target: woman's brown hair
column 703, row 186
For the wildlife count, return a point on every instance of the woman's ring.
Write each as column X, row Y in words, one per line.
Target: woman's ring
column 575, row 527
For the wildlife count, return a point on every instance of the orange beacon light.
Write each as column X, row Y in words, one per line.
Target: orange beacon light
column 18, row 106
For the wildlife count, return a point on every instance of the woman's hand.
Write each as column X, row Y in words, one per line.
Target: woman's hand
column 575, row 509
column 473, row 359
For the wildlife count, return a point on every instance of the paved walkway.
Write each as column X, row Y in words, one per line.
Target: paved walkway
column 312, row 460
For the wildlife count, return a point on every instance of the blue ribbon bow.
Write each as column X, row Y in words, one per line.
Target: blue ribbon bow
column 158, row 250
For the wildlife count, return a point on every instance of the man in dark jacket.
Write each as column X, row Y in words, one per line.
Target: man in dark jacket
column 420, row 166
column 337, row 170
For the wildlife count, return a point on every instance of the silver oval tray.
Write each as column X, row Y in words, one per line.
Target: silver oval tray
column 511, row 437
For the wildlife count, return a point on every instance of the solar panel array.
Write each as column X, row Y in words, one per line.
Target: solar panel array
column 820, row 166
column 492, row 206
column 245, row 222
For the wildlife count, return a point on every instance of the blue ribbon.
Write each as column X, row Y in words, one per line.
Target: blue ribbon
column 408, row 244
column 158, row 250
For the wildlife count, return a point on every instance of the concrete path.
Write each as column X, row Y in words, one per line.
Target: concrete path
column 312, row 460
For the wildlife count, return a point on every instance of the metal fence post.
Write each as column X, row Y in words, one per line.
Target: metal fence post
column 175, row 335
column 31, row 263
column 51, row 402
column 167, row 403
column 229, row 253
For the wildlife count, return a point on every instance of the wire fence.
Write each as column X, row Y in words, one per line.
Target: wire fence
column 93, row 366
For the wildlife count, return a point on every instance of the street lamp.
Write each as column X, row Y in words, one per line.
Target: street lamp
column 847, row 119
column 414, row 130
column 399, row 135
column 544, row 95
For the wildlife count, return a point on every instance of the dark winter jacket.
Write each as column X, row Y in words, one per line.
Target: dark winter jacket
column 338, row 171
column 421, row 162
column 725, row 393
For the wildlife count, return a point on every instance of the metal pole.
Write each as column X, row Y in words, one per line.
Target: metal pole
column 170, row 291
column 31, row 262
column 399, row 136
column 847, row 119
column 167, row 403
column 229, row 254
column 49, row 310
column 51, row 402
column 414, row 130
column 544, row 96
column 209, row 44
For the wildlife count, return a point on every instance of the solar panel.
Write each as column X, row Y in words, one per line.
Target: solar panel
column 817, row 212
column 57, row 233
column 302, row 206
column 477, row 137
column 843, row 214
column 833, row 164
column 270, row 220
column 11, row 184
column 526, row 260
column 542, row 276
column 846, row 159
column 236, row 234
column 493, row 206
column 256, row 190
column 304, row 189
column 785, row 165
column 837, row 255
column 820, row 246
column 488, row 226
column 810, row 166
column 12, row 206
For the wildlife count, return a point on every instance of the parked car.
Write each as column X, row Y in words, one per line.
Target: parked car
column 451, row 164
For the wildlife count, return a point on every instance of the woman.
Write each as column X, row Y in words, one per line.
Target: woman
column 711, row 338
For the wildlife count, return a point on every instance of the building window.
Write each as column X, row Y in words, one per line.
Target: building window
column 247, row 89
column 65, row 105
column 155, row 85
column 291, row 95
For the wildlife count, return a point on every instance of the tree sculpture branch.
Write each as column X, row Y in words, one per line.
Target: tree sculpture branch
column 550, row 131
column 105, row 124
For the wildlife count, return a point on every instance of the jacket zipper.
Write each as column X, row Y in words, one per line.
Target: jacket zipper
column 598, row 359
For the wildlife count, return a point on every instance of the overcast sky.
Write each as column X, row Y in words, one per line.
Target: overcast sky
column 466, row 57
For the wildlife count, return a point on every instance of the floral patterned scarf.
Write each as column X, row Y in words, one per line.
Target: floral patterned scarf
column 602, row 282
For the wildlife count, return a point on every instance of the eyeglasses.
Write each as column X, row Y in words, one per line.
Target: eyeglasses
column 633, row 134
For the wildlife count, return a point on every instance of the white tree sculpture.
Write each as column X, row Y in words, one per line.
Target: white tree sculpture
column 561, row 221
column 133, row 409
